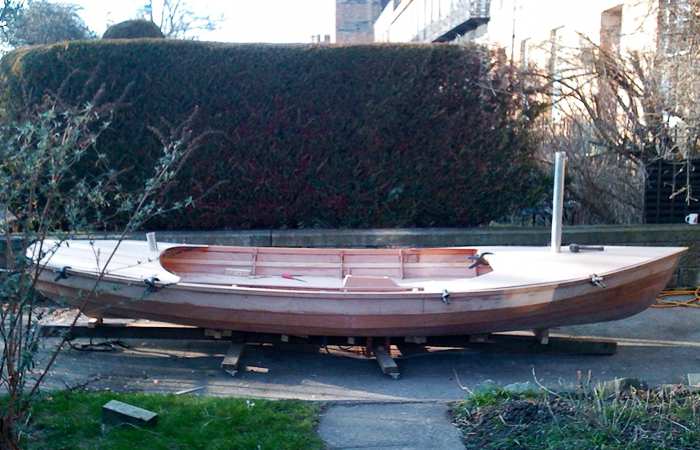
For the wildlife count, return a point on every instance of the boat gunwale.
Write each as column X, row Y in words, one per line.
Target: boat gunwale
column 321, row 250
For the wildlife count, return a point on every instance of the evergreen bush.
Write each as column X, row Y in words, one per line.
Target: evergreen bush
column 312, row 136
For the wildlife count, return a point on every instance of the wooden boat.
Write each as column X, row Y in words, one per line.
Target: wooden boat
column 356, row 292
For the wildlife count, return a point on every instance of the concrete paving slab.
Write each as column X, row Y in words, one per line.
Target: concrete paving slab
column 389, row 426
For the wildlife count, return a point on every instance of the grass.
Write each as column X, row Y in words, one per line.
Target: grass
column 73, row 421
column 590, row 418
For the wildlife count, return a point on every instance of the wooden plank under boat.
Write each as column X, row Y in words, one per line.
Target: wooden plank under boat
column 356, row 292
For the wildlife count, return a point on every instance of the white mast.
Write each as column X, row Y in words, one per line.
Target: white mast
column 558, row 200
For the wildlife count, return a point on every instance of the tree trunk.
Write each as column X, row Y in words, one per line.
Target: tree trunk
column 8, row 437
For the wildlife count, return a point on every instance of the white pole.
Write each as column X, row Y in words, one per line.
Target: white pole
column 558, row 200
column 152, row 243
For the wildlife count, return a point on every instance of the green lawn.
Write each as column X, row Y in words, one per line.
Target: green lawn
column 73, row 421
column 588, row 419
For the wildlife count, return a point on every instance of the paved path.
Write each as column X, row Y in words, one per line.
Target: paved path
column 389, row 426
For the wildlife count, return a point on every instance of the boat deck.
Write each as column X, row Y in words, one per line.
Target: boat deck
column 512, row 267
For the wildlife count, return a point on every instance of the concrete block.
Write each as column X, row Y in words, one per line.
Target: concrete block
column 620, row 385
column 115, row 412
column 521, row 388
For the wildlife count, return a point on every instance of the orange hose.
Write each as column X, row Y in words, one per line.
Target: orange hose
column 693, row 302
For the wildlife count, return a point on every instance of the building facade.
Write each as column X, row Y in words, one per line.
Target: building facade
column 430, row 20
column 521, row 27
column 531, row 30
column 354, row 20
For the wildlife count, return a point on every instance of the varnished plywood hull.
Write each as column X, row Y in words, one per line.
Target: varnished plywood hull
column 627, row 292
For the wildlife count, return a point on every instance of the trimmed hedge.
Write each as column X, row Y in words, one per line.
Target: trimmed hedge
column 315, row 136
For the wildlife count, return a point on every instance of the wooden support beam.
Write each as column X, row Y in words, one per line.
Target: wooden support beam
column 542, row 335
column 409, row 349
column 555, row 344
column 478, row 338
column 497, row 341
column 386, row 362
column 415, row 339
column 217, row 334
column 95, row 322
column 233, row 358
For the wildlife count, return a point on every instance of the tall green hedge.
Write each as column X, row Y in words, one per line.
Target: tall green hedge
column 313, row 136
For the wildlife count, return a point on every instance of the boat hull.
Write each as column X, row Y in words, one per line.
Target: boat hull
column 626, row 292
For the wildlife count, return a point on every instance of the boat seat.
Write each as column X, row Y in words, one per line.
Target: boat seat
column 370, row 283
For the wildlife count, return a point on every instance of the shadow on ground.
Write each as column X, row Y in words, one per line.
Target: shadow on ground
column 658, row 346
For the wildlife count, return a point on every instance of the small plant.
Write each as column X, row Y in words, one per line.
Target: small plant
column 611, row 415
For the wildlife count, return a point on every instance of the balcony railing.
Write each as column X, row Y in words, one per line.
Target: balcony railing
column 464, row 16
column 430, row 20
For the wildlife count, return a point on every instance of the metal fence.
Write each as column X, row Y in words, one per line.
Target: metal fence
column 672, row 191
